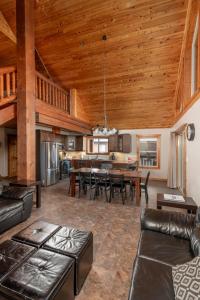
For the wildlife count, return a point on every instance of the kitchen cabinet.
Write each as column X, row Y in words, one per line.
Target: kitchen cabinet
column 74, row 143
column 124, row 143
column 120, row 143
column 113, row 143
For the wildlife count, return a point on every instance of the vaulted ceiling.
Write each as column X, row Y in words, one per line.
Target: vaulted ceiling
column 142, row 52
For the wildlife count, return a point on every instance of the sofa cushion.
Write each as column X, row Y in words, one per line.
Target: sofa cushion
column 37, row 233
column 13, row 192
column 39, row 277
column 195, row 241
column 164, row 248
column 172, row 223
column 151, row 280
column 7, row 206
column 186, row 280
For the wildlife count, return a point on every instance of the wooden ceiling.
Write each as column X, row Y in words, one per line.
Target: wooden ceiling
column 142, row 52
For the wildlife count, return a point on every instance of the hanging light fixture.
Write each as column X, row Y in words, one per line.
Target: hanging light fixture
column 104, row 130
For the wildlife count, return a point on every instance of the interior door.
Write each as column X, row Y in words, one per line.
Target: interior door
column 12, row 155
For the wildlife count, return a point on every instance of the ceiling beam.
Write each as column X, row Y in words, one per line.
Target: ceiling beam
column 6, row 30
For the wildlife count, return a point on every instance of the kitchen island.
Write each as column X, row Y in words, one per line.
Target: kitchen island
column 98, row 163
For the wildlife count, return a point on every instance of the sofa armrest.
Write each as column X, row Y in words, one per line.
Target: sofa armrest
column 167, row 222
column 16, row 193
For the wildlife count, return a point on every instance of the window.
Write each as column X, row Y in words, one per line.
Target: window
column 97, row 145
column 148, row 151
column 194, row 80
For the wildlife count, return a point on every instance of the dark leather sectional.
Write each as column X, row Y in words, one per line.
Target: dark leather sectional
column 15, row 206
column 167, row 239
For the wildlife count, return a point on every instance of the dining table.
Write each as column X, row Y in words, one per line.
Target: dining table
column 134, row 176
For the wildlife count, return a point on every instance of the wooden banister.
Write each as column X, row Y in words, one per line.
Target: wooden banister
column 51, row 93
column 7, row 84
column 46, row 89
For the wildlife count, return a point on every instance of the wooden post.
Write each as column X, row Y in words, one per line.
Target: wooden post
column 25, row 89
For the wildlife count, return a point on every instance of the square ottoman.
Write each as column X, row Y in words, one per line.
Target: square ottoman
column 36, row 234
column 76, row 244
column 11, row 255
column 44, row 275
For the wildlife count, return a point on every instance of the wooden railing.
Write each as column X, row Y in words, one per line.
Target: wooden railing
column 46, row 90
column 7, row 85
column 51, row 93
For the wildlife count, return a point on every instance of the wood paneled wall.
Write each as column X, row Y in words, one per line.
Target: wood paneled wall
column 142, row 54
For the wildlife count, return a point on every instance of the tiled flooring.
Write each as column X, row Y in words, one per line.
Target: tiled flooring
column 116, row 231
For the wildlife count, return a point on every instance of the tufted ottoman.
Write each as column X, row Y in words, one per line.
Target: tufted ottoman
column 36, row 234
column 44, row 275
column 76, row 244
column 11, row 255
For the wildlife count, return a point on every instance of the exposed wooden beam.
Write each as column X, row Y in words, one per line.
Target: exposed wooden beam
column 25, row 89
column 8, row 114
column 49, row 115
column 5, row 28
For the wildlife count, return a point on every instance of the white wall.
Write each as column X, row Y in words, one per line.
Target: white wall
column 165, row 138
column 193, row 152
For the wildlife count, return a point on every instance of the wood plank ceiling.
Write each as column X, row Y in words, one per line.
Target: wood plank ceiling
column 142, row 54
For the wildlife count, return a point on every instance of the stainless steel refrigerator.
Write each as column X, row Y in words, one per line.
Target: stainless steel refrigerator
column 49, row 162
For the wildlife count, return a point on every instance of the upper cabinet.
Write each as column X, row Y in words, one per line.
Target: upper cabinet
column 113, row 143
column 120, row 143
column 74, row 143
column 124, row 143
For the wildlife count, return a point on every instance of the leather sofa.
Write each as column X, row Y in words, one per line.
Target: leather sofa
column 15, row 206
column 167, row 239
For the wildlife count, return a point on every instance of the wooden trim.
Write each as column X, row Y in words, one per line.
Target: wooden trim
column 191, row 102
column 158, row 136
column 184, row 43
column 182, row 131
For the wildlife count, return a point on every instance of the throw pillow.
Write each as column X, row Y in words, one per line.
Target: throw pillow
column 186, row 280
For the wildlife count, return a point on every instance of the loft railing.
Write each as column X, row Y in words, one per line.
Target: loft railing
column 52, row 93
column 7, row 85
column 46, row 90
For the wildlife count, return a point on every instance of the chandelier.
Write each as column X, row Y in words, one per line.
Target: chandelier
column 104, row 130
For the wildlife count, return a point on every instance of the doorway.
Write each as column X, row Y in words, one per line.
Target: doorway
column 12, row 155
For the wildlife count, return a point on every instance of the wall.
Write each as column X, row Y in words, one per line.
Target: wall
column 193, row 152
column 161, row 173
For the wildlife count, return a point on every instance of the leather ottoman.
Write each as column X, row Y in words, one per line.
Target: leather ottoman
column 11, row 255
column 78, row 245
column 36, row 234
column 44, row 275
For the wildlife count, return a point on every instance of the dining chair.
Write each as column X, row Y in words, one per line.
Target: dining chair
column 143, row 187
column 87, row 180
column 102, row 183
column 77, row 183
column 106, row 166
column 117, row 183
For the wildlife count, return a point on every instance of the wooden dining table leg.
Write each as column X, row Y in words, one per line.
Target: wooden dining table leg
column 137, row 191
column 72, row 191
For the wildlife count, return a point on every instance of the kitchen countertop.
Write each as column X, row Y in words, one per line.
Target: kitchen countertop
column 107, row 160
